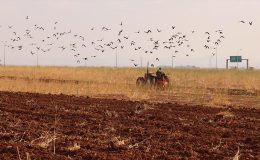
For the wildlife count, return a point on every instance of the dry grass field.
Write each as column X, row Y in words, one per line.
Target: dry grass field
column 191, row 86
column 99, row 113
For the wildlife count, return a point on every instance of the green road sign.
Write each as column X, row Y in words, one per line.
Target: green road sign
column 235, row 58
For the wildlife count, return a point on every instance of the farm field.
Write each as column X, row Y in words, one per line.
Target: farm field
column 187, row 86
column 45, row 126
column 99, row 113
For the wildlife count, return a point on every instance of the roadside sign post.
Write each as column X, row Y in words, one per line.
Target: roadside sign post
column 4, row 55
column 236, row 59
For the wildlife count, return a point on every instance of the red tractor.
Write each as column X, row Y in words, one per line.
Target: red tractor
column 160, row 80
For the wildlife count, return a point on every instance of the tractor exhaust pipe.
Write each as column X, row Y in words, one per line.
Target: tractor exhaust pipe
column 147, row 68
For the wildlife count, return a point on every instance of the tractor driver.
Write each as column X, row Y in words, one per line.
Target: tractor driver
column 159, row 73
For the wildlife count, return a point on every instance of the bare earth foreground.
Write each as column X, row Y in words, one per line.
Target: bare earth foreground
column 99, row 128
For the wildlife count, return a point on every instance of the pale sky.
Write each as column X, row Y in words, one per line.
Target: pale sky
column 80, row 16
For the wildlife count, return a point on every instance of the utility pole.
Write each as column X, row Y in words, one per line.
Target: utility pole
column 216, row 57
column 172, row 61
column 37, row 59
column 116, row 57
column 4, row 53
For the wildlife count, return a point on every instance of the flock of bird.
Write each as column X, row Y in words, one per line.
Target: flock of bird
column 121, row 40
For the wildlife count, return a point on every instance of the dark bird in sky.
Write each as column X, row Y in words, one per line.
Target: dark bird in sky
column 148, row 31
column 27, row 17
column 157, row 59
column 159, row 30
column 20, row 47
column 119, row 33
column 82, row 38
column 63, row 48
column 207, row 33
column 207, row 47
column 250, row 23
column 121, row 23
column 113, row 48
column 132, row 60
column 192, row 50
column 138, row 31
column 242, row 21
column 173, row 27
column 76, row 55
column 105, row 29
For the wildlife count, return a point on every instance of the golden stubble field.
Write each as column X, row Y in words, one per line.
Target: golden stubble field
column 189, row 86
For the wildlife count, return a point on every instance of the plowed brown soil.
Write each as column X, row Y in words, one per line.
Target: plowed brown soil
column 67, row 127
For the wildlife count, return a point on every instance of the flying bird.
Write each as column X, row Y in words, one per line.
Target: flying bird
column 148, row 31
column 119, row 33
